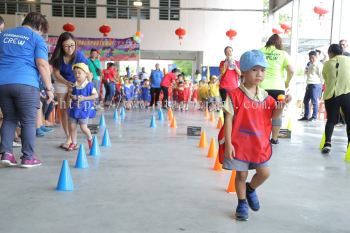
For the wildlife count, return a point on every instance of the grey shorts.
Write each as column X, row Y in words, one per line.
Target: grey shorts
column 78, row 121
column 241, row 165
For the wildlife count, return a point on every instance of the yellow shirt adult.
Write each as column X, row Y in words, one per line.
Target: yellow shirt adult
column 336, row 77
column 278, row 62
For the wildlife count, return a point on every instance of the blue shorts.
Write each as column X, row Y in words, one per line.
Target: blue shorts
column 78, row 121
column 239, row 165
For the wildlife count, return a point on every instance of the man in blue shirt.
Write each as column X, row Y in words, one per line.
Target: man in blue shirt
column 156, row 77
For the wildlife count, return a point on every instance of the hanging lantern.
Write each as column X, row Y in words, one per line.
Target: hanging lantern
column 285, row 27
column 180, row 32
column 69, row 27
column 276, row 31
column 231, row 33
column 138, row 33
column 320, row 11
column 105, row 29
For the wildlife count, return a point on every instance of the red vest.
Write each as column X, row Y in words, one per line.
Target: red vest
column 229, row 79
column 251, row 128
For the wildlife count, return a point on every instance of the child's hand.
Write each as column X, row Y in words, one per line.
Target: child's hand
column 81, row 98
column 73, row 97
column 229, row 151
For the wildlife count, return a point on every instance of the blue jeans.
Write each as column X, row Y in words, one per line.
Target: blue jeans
column 313, row 92
column 110, row 90
column 19, row 103
column 97, row 87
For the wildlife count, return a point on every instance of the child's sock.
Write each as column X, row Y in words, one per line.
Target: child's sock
column 250, row 189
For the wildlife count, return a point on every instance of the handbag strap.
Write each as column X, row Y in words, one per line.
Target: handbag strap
column 93, row 63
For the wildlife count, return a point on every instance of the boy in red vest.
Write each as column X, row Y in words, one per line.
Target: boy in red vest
column 250, row 114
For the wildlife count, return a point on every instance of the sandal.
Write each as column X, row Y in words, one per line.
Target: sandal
column 72, row 147
column 64, row 146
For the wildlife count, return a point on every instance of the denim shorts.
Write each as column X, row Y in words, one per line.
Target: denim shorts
column 239, row 165
column 78, row 121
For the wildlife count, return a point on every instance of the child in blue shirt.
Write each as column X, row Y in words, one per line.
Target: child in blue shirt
column 128, row 93
column 145, row 93
column 81, row 107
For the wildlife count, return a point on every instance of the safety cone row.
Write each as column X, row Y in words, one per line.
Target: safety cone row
column 122, row 113
column 212, row 117
column 95, row 150
column 217, row 164
column 102, row 121
column 106, row 142
column 81, row 161
column 153, row 122
column 206, row 113
column 173, row 124
column 115, row 115
column 347, row 155
column 160, row 115
column 220, row 124
column 212, row 149
column 65, row 182
column 231, row 188
column 170, row 114
column 203, row 140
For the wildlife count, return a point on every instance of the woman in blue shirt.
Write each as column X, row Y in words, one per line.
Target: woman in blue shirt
column 23, row 57
column 63, row 58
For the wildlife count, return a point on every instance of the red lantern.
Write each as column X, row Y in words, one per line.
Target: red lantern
column 320, row 11
column 69, row 27
column 231, row 33
column 180, row 32
column 105, row 29
column 276, row 31
column 285, row 27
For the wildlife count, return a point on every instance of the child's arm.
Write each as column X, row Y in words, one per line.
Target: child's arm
column 277, row 112
column 229, row 149
column 93, row 96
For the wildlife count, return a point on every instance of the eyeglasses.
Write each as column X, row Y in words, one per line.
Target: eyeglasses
column 69, row 46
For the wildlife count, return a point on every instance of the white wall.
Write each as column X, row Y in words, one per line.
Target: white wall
column 206, row 30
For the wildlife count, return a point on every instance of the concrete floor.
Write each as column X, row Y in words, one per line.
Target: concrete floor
column 158, row 181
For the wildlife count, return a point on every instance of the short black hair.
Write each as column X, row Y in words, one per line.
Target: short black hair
column 2, row 20
column 335, row 49
column 36, row 21
column 312, row 53
column 93, row 50
column 175, row 70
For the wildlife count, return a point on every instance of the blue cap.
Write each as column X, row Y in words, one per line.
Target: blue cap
column 252, row 58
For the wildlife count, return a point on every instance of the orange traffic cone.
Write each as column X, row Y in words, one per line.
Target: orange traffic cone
column 217, row 165
column 231, row 188
column 212, row 117
column 212, row 148
column 52, row 116
column 203, row 140
column 170, row 114
column 219, row 125
column 206, row 113
column 173, row 123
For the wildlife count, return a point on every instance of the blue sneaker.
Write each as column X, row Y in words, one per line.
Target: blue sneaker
column 242, row 211
column 253, row 200
column 46, row 129
column 40, row 133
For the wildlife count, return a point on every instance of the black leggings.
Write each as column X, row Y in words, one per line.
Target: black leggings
column 165, row 96
column 333, row 106
column 155, row 99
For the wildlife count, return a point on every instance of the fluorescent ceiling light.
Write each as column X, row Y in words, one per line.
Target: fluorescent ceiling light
column 137, row 3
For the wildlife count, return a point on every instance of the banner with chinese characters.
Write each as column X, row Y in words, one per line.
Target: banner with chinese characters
column 110, row 49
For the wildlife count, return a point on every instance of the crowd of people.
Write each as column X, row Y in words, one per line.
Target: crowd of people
column 79, row 86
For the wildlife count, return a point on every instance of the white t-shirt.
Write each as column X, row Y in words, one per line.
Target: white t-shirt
column 314, row 73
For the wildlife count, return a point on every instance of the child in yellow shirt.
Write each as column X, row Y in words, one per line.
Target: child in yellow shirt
column 214, row 94
column 203, row 94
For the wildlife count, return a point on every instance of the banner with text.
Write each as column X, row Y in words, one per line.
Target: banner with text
column 110, row 49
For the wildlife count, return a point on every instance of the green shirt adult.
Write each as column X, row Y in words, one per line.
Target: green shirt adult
column 93, row 69
column 336, row 85
column 278, row 62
